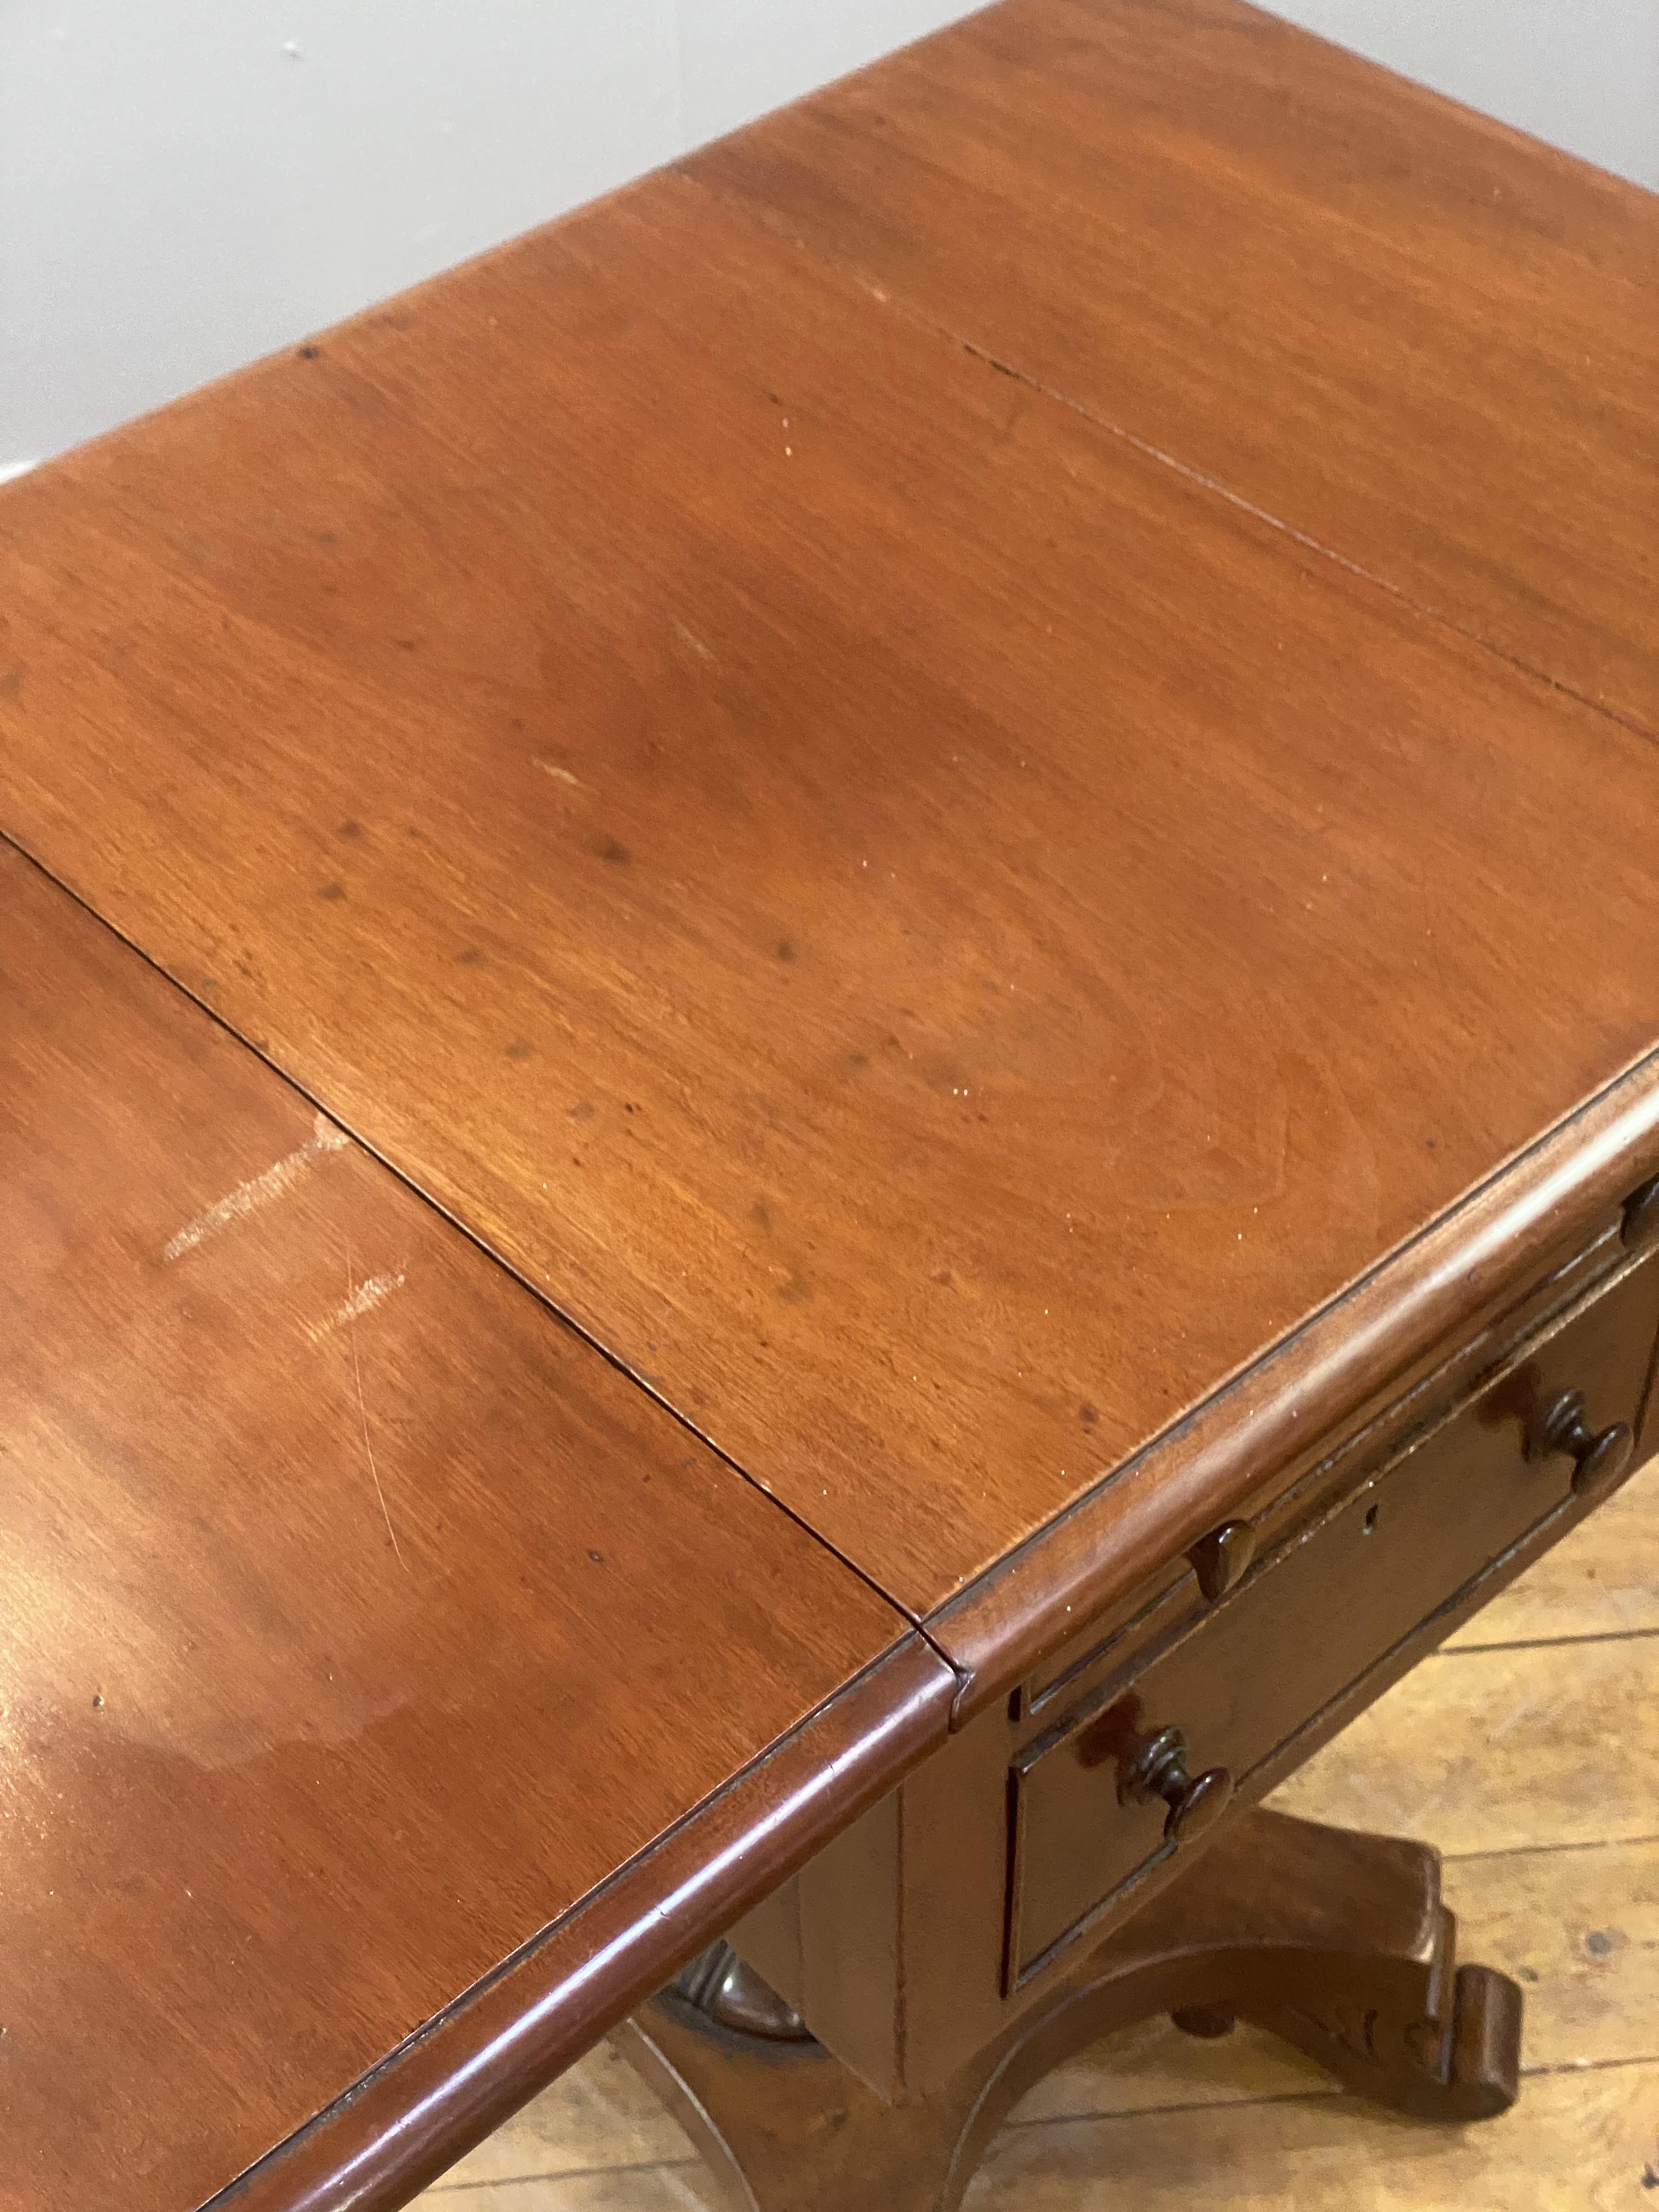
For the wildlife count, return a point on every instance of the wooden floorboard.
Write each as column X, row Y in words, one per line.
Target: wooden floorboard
column 1578, row 2143
column 1528, row 1751
column 1603, row 1580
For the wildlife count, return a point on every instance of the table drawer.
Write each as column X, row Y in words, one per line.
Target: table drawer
column 1314, row 1617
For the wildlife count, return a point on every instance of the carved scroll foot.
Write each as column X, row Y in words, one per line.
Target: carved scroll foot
column 1349, row 1955
column 1337, row 1942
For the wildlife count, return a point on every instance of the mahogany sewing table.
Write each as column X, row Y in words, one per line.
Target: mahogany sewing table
column 827, row 1073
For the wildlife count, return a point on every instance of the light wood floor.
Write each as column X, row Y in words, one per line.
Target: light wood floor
column 1528, row 1751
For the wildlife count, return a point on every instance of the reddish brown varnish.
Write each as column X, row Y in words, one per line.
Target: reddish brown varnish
column 934, row 937
column 1004, row 986
column 1410, row 334
column 299, row 1742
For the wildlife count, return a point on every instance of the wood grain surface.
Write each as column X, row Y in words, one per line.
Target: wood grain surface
column 930, row 935
column 1417, row 339
column 927, row 772
column 1571, row 2145
column 1552, row 1746
column 1422, row 1299
column 508, row 2037
column 348, row 1604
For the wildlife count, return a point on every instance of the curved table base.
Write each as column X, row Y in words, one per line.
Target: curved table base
column 1337, row 1942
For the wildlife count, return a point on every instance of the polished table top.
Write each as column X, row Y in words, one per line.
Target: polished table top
column 354, row 1613
column 975, row 779
column 1413, row 337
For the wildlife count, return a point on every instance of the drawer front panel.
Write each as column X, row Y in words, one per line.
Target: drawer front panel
column 1310, row 1621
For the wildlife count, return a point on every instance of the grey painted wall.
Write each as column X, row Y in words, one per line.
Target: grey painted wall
column 188, row 184
column 1584, row 74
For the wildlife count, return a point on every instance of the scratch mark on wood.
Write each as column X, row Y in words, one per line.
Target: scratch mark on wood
column 691, row 639
column 1510, row 1720
column 351, row 1311
column 559, row 774
column 364, row 1299
column 259, row 1190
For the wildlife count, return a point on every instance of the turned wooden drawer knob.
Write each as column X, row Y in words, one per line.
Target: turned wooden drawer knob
column 1600, row 1457
column 1219, row 1560
column 725, row 1989
column 1196, row 1802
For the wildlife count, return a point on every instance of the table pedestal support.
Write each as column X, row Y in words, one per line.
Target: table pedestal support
column 1338, row 1942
